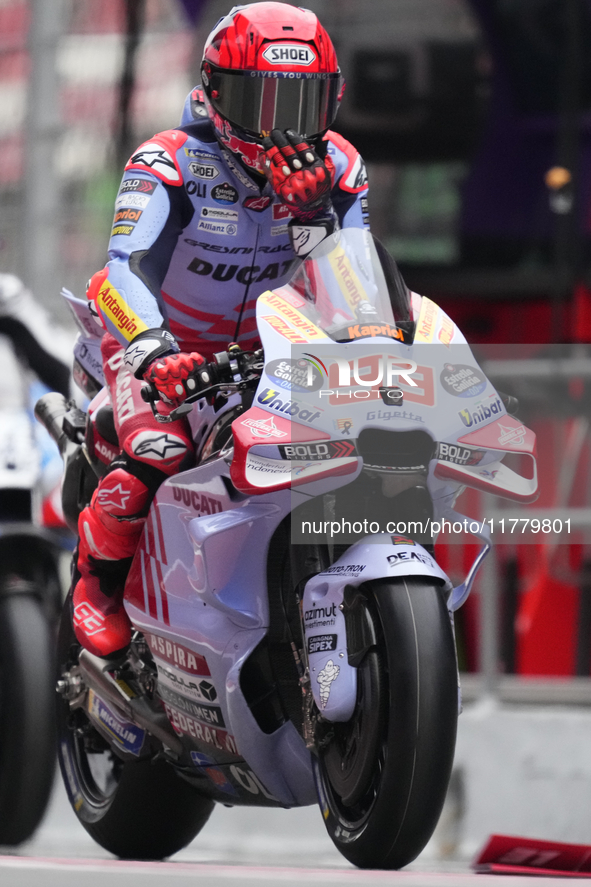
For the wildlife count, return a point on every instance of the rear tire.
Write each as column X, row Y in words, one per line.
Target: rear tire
column 27, row 721
column 383, row 776
column 134, row 809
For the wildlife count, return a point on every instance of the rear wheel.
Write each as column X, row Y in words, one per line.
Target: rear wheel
column 134, row 809
column 382, row 777
column 27, row 725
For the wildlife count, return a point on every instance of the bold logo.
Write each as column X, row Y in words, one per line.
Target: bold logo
column 258, row 204
column 461, row 380
column 159, row 446
column 224, row 193
column 322, row 643
column 484, row 411
column 289, row 54
column 402, row 540
column 203, row 170
column 141, row 185
column 316, row 452
column 263, row 427
column 269, row 398
column 458, row 455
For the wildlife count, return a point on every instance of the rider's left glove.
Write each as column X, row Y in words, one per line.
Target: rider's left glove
column 300, row 178
column 154, row 356
column 175, row 376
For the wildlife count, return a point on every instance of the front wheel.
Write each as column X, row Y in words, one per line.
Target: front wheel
column 382, row 777
column 27, row 728
column 134, row 809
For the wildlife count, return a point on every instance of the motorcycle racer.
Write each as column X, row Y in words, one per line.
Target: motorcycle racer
column 208, row 216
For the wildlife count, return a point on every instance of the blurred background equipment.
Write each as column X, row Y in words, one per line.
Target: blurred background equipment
column 34, row 359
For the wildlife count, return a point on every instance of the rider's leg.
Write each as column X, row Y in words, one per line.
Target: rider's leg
column 111, row 525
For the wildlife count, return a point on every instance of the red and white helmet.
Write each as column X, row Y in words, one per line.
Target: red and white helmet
column 269, row 66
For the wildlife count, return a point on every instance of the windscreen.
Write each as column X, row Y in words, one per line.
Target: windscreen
column 348, row 292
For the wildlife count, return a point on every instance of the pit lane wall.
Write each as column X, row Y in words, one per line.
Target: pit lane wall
column 519, row 770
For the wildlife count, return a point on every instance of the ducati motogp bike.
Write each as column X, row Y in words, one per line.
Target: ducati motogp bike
column 292, row 630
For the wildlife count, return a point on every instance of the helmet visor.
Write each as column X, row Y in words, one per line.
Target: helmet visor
column 306, row 103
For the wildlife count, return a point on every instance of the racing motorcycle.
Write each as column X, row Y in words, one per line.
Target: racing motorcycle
column 293, row 633
column 32, row 541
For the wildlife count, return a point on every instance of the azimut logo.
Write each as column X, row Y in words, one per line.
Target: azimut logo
column 320, row 613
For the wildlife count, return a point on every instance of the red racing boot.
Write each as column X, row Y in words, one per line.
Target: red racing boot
column 108, row 540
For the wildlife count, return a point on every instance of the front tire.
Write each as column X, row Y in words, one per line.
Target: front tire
column 382, row 777
column 27, row 724
column 134, row 809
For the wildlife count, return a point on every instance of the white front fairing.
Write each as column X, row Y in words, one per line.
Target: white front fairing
column 333, row 680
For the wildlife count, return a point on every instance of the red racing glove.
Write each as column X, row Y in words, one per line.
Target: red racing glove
column 297, row 174
column 176, row 377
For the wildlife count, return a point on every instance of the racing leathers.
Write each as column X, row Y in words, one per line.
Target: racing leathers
column 196, row 239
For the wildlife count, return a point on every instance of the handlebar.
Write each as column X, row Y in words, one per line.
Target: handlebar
column 232, row 370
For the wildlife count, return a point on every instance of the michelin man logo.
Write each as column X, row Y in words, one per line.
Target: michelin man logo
column 329, row 673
